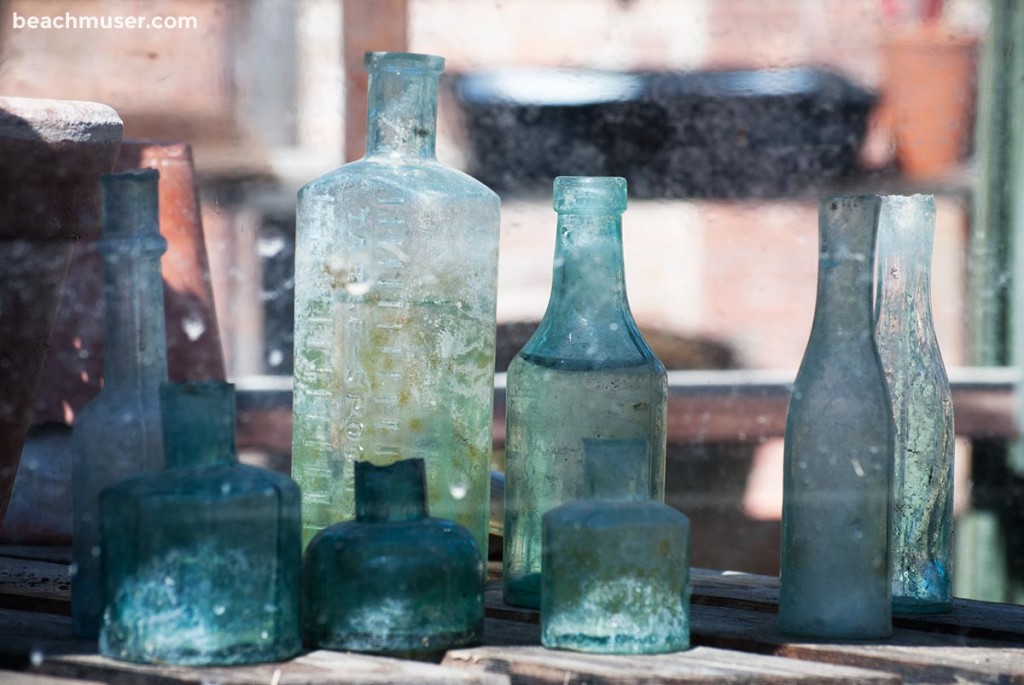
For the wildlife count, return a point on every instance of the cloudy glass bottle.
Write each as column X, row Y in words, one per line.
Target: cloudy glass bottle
column 395, row 287
column 585, row 373
column 922, row 405
column 118, row 433
column 202, row 561
column 838, row 454
column 616, row 576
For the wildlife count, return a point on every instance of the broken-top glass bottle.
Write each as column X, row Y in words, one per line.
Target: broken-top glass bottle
column 118, row 434
column 585, row 373
column 395, row 289
column 202, row 561
column 394, row 581
column 616, row 571
column 922, row 407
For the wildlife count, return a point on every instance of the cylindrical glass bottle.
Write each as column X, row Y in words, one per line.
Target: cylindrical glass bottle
column 922, row 407
column 118, row 433
column 839, row 447
column 202, row 561
column 585, row 373
column 395, row 289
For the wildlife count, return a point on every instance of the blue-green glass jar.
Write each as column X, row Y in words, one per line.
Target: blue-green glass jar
column 394, row 581
column 585, row 373
column 616, row 576
column 202, row 562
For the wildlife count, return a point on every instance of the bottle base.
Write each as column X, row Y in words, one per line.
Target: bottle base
column 418, row 647
column 912, row 606
column 603, row 644
column 523, row 591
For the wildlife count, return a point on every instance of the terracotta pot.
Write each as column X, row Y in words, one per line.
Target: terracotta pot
column 74, row 368
column 51, row 155
column 928, row 89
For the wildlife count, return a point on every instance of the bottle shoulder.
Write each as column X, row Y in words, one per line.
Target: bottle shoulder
column 409, row 537
column 221, row 482
column 594, row 347
column 607, row 514
column 402, row 178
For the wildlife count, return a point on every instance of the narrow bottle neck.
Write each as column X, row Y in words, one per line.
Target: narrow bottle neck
column 843, row 311
column 135, row 349
column 588, row 273
column 401, row 113
column 391, row 494
column 199, row 424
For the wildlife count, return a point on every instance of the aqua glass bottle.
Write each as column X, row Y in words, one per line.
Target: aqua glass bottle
column 839, row 447
column 118, row 434
column 394, row 581
column 616, row 576
column 585, row 373
column 922, row 406
column 202, row 561
column 395, row 289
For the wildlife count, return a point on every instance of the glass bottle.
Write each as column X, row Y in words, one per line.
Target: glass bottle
column 585, row 373
column 393, row 581
column 202, row 561
column 395, row 287
column 922, row 406
column 839, row 447
column 616, row 576
column 118, row 434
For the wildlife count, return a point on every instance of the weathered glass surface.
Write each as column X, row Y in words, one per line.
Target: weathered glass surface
column 585, row 373
column 839, row 447
column 922, row 406
column 394, row 581
column 616, row 565
column 118, row 434
column 202, row 561
column 395, row 287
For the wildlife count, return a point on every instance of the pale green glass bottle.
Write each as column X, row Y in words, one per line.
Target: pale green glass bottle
column 395, row 289
column 585, row 373
column 839, row 447
column 394, row 581
column 202, row 561
column 616, row 576
column 117, row 434
column 922, row 406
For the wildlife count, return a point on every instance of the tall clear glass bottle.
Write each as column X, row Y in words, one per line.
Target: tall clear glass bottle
column 922, row 407
column 118, row 433
column 839, row 447
column 395, row 287
column 202, row 561
column 585, row 373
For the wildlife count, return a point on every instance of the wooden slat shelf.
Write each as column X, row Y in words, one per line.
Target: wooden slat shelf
column 733, row 625
column 704, row 406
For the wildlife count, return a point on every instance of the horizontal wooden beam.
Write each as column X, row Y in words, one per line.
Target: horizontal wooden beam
column 704, row 406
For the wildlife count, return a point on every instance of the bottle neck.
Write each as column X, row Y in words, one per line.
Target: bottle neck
column 135, row 348
column 198, row 424
column 906, row 229
column 401, row 113
column 843, row 311
column 391, row 494
column 588, row 275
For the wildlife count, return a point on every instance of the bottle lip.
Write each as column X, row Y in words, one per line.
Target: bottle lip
column 403, row 61
column 590, row 195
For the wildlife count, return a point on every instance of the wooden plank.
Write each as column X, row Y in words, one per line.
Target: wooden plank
column 536, row 665
column 315, row 668
column 969, row 618
column 19, row 678
column 42, row 586
column 917, row 657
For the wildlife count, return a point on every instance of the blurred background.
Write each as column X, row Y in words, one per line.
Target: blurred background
column 729, row 118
